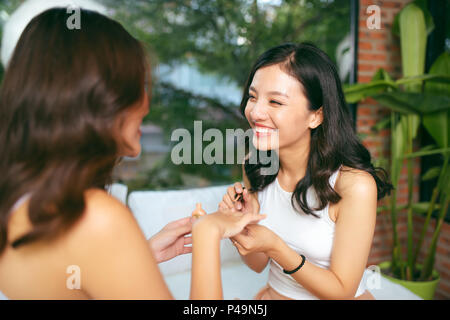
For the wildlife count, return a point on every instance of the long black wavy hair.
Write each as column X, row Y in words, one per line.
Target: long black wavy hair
column 333, row 143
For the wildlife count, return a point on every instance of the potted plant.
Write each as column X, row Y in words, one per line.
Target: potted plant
column 414, row 100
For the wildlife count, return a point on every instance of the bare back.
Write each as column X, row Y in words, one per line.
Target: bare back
column 105, row 248
column 37, row 270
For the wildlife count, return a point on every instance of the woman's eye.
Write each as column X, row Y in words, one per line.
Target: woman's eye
column 250, row 97
column 276, row 102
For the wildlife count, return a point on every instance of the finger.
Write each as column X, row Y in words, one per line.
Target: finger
column 228, row 201
column 240, row 248
column 187, row 250
column 223, row 206
column 187, row 240
column 231, row 192
column 238, row 187
column 246, row 195
column 183, row 229
column 179, row 222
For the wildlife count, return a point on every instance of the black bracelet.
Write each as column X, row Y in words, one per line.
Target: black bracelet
column 298, row 268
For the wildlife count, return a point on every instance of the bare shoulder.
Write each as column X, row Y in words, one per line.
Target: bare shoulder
column 109, row 246
column 358, row 191
column 103, row 210
column 355, row 182
column 103, row 217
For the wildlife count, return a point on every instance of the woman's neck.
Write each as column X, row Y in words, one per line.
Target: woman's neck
column 294, row 161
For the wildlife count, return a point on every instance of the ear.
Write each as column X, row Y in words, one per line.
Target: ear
column 317, row 118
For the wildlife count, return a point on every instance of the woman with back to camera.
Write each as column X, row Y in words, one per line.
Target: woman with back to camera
column 321, row 204
column 71, row 104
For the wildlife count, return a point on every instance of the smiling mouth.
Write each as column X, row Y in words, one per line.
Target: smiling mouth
column 263, row 131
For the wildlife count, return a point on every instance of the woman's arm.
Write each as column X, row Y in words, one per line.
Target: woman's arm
column 353, row 238
column 206, row 278
column 207, row 232
column 257, row 261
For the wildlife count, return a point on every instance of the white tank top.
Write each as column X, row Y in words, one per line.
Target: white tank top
column 305, row 234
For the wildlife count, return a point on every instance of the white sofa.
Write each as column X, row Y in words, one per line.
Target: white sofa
column 154, row 209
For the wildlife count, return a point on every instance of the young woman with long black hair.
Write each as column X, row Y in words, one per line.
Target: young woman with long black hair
column 71, row 104
column 321, row 204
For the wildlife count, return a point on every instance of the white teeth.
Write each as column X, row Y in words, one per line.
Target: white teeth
column 264, row 130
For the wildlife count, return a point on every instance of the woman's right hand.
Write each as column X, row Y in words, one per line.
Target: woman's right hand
column 248, row 204
column 227, row 223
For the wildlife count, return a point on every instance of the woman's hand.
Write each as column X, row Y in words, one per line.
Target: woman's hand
column 248, row 204
column 228, row 223
column 256, row 238
column 171, row 240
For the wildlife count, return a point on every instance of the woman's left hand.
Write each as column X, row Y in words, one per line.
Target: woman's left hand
column 171, row 240
column 255, row 238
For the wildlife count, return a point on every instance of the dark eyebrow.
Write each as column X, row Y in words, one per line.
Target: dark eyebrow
column 278, row 93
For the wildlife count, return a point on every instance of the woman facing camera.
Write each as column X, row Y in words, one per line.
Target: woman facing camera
column 71, row 105
column 321, row 204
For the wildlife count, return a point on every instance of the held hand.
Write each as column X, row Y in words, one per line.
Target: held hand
column 255, row 238
column 171, row 240
column 228, row 223
column 238, row 198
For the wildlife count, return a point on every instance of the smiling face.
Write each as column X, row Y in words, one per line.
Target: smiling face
column 277, row 110
column 129, row 128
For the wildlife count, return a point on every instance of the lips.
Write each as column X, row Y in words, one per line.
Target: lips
column 262, row 131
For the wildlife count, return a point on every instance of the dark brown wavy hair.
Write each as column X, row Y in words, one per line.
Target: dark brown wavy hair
column 333, row 143
column 62, row 95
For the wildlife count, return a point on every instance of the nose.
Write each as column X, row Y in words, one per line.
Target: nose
column 258, row 112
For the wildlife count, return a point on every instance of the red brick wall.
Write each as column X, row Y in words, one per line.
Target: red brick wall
column 378, row 48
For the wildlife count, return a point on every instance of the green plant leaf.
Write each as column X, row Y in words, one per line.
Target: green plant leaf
column 360, row 91
column 439, row 78
column 422, row 4
column 437, row 124
column 431, row 173
column 384, row 123
column 440, row 67
column 411, row 102
column 427, row 148
column 413, row 40
column 422, row 207
column 392, row 101
column 381, row 74
column 400, row 132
